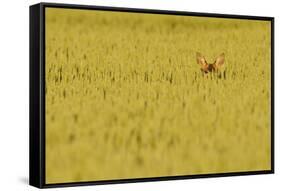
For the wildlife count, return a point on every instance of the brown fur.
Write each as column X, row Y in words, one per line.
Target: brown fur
column 206, row 67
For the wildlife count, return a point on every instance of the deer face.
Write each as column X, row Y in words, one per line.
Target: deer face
column 207, row 67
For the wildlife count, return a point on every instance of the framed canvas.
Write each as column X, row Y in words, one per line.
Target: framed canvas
column 126, row 95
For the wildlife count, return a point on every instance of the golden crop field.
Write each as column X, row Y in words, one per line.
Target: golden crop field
column 125, row 97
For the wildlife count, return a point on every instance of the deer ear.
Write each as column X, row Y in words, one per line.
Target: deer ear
column 220, row 60
column 200, row 59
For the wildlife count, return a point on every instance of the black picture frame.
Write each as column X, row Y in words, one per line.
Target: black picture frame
column 37, row 94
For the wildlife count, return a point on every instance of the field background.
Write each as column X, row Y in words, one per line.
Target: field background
column 126, row 99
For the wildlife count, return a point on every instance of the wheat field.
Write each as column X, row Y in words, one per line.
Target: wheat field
column 125, row 97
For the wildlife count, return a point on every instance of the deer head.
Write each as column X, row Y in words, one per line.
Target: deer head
column 210, row 67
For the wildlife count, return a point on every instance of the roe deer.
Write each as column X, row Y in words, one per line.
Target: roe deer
column 206, row 67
